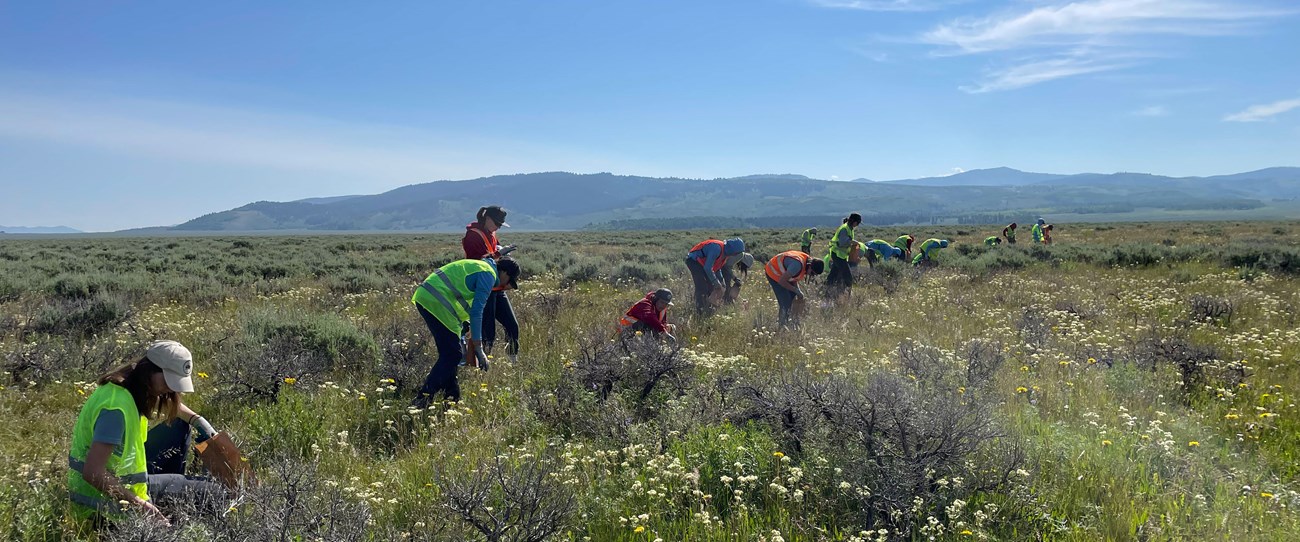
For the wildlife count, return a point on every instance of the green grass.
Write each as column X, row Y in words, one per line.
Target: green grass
column 1115, row 409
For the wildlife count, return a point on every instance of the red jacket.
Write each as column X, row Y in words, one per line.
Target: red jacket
column 478, row 244
column 644, row 311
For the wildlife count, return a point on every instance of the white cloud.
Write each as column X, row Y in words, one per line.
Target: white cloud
column 956, row 170
column 886, row 5
column 1066, row 39
column 1095, row 22
column 1256, row 113
column 276, row 141
column 1038, row 71
column 1152, row 111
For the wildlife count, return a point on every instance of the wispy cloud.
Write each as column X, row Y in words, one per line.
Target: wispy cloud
column 886, row 5
column 1261, row 112
column 1039, row 71
column 264, row 140
column 1067, row 39
column 1152, row 111
column 1094, row 22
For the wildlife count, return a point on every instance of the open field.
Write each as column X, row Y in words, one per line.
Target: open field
column 1130, row 382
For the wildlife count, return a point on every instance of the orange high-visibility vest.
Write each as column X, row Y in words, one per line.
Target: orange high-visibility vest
column 776, row 266
column 721, row 261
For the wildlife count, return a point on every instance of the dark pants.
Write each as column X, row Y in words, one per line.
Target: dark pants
column 806, row 249
column 498, row 309
column 840, row 278
column 703, row 287
column 784, row 300
column 442, row 377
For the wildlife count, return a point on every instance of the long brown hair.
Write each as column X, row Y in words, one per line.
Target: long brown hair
column 136, row 378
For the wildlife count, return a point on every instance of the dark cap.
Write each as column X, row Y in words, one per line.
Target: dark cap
column 665, row 295
column 497, row 214
column 511, row 267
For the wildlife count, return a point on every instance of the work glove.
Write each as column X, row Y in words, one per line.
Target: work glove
column 474, row 354
column 204, row 429
column 506, row 250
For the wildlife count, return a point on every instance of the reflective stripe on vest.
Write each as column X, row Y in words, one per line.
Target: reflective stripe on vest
column 436, row 295
column 128, row 463
column 627, row 321
column 776, row 266
column 721, row 260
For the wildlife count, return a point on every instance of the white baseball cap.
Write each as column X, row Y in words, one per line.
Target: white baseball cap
column 176, row 363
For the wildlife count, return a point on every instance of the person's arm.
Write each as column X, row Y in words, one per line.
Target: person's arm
column 109, row 433
column 792, row 268
column 728, row 273
column 651, row 318
column 197, row 421
column 843, row 239
column 711, row 255
column 481, row 283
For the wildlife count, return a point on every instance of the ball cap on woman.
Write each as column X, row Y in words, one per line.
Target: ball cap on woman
column 176, row 363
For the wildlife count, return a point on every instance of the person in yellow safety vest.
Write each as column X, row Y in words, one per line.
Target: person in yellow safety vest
column 1037, row 231
column 879, row 250
column 927, row 247
column 904, row 242
column 993, row 241
column 451, row 302
column 650, row 314
column 107, row 464
column 805, row 240
column 839, row 279
column 1009, row 233
column 784, row 272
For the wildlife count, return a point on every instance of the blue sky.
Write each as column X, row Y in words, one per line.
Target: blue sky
column 129, row 114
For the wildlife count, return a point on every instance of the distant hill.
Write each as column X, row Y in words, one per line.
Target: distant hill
column 38, row 229
column 560, row 200
column 1001, row 176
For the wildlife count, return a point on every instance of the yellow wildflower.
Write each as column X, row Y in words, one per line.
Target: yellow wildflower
column 1266, row 495
column 203, row 374
column 778, row 455
column 639, row 529
column 966, row 532
column 1021, row 389
column 290, row 380
column 1106, row 443
column 1092, row 361
column 1193, row 443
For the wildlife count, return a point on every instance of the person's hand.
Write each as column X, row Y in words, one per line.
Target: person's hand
column 151, row 511
column 474, row 354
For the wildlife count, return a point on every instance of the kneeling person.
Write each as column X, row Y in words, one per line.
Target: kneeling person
column 650, row 314
column 107, row 463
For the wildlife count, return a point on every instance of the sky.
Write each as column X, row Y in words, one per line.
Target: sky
column 118, row 115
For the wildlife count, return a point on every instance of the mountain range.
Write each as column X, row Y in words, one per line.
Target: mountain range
column 561, row 200
column 37, row 229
